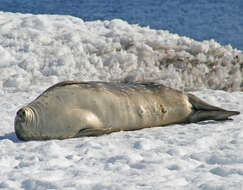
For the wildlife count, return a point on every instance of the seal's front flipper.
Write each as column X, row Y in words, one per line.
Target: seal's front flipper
column 203, row 111
column 85, row 122
column 91, row 132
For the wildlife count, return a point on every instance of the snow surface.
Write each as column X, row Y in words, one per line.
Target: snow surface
column 37, row 51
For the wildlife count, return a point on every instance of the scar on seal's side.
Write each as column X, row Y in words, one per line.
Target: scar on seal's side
column 75, row 109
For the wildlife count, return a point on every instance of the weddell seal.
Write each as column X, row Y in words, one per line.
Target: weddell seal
column 76, row 109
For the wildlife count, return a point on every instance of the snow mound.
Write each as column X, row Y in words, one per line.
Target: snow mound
column 35, row 49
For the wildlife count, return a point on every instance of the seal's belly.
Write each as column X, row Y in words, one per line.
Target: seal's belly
column 125, row 108
column 122, row 111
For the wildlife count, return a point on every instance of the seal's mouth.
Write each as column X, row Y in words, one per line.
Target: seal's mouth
column 24, row 122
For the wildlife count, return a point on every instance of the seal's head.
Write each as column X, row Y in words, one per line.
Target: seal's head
column 26, row 124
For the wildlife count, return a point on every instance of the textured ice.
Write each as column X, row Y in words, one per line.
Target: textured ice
column 37, row 51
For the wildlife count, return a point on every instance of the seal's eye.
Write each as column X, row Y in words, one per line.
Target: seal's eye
column 21, row 113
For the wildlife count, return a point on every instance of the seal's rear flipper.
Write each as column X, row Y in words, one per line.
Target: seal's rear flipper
column 203, row 111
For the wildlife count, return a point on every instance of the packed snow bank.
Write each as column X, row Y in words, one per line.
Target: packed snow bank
column 35, row 49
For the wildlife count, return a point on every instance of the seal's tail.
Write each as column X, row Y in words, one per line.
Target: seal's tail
column 204, row 111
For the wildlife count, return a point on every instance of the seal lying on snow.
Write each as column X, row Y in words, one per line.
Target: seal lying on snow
column 75, row 109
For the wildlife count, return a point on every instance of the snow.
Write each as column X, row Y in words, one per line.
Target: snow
column 39, row 50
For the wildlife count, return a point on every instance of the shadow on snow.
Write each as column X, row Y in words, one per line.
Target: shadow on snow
column 10, row 136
